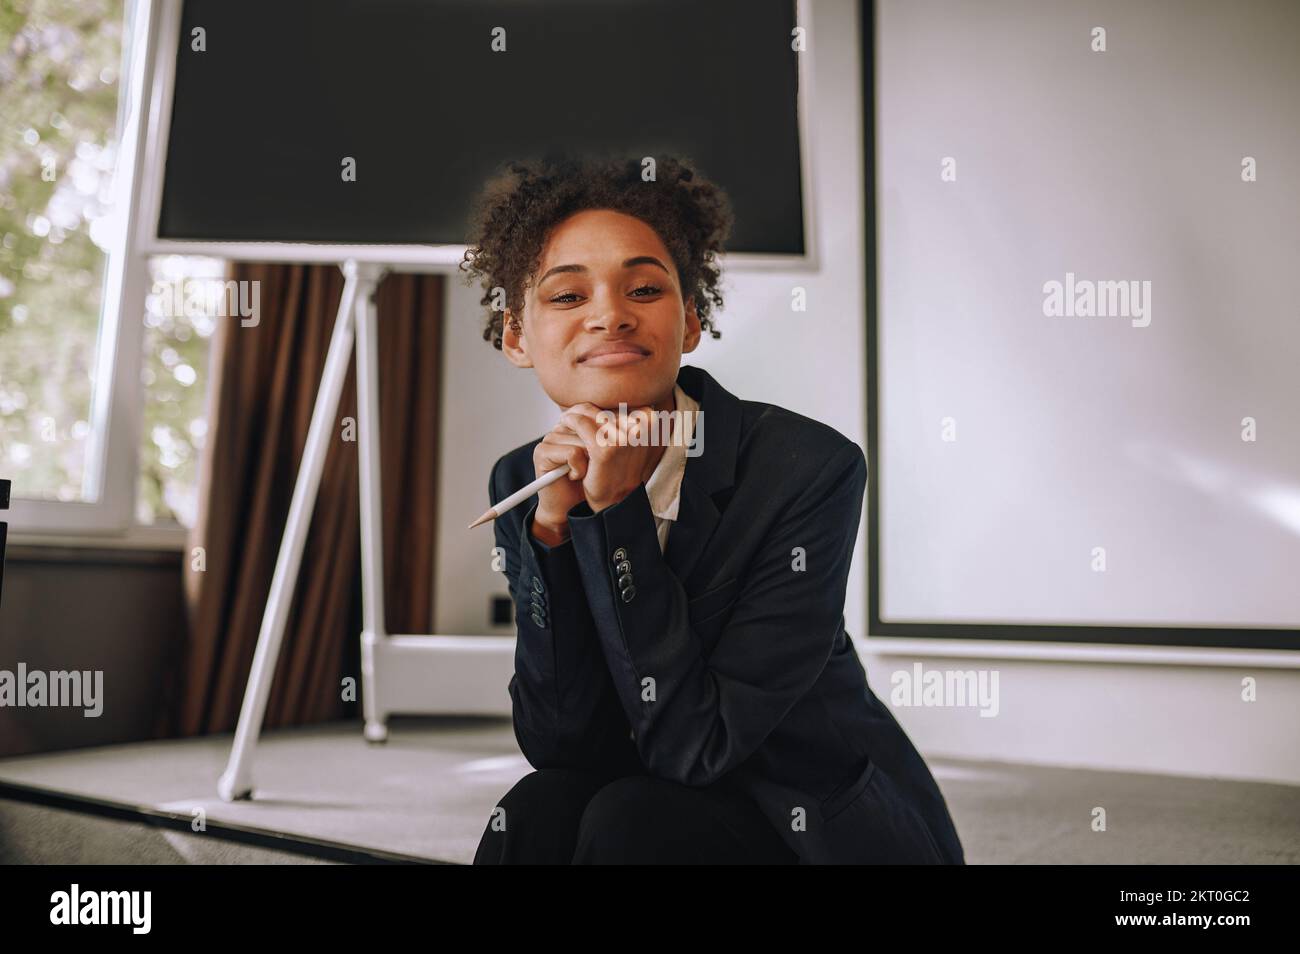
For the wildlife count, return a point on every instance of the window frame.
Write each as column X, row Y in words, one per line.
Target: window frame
column 107, row 517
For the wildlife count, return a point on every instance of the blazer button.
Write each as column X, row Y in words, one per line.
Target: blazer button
column 625, row 581
column 540, row 621
column 539, row 604
column 537, row 586
column 628, row 594
column 620, row 555
column 624, row 567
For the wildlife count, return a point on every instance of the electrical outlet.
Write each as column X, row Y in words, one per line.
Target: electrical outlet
column 502, row 611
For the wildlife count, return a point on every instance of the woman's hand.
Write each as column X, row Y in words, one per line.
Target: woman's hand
column 615, row 465
column 554, row 501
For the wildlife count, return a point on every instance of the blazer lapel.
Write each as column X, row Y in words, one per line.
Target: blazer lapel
column 708, row 473
column 697, row 516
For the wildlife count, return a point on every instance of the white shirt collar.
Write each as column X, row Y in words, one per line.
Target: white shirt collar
column 665, row 484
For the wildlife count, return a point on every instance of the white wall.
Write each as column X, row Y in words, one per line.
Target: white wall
column 1116, row 707
column 1139, row 716
column 488, row 407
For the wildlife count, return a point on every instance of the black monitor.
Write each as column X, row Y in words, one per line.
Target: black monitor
column 428, row 98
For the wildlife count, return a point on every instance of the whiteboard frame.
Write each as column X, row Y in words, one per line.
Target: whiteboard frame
column 1212, row 645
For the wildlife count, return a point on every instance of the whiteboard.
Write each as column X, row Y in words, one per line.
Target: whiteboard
column 1129, row 463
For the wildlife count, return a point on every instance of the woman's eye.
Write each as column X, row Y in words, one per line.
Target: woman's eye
column 567, row 297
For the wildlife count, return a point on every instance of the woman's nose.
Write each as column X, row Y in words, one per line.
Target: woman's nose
column 610, row 316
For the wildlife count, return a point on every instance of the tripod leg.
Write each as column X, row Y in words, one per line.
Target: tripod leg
column 236, row 783
column 373, row 627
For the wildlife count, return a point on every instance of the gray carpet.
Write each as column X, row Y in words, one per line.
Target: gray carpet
column 36, row 835
column 428, row 791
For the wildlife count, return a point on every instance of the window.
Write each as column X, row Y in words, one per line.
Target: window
column 102, row 380
column 179, row 320
column 59, row 83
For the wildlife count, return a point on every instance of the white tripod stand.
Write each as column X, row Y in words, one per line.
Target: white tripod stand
column 405, row 673
column 356, row 315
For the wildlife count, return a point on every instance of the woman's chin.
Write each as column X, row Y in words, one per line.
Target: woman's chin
column 629, row 389
column 634, row 385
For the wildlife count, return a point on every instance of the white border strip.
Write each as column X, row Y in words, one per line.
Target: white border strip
column 1078, row 652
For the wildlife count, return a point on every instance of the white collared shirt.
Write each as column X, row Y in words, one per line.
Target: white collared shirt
column 664, row 488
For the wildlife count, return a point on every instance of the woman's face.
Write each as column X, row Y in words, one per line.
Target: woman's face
column 604, row 283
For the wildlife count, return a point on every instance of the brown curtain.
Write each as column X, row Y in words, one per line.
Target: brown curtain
column 265, row 379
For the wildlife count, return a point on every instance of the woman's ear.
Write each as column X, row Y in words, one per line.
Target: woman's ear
column 693, row 330
column 512, row 341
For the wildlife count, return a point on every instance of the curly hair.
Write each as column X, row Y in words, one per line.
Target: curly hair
column 519, row 207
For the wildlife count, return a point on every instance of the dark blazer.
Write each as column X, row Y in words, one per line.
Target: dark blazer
column 723, row 660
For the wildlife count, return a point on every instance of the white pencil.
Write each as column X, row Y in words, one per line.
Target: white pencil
column 519, row 496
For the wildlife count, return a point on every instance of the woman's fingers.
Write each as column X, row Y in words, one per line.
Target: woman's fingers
column 602, row 428
column 585, row 428
column 564, row 448
column 577, row 463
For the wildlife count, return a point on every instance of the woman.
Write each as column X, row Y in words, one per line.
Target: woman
column 684, row 687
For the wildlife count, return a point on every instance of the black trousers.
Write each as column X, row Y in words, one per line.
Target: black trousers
column 570, row 816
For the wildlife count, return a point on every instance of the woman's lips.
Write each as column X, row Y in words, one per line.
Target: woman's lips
column 616, row 358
